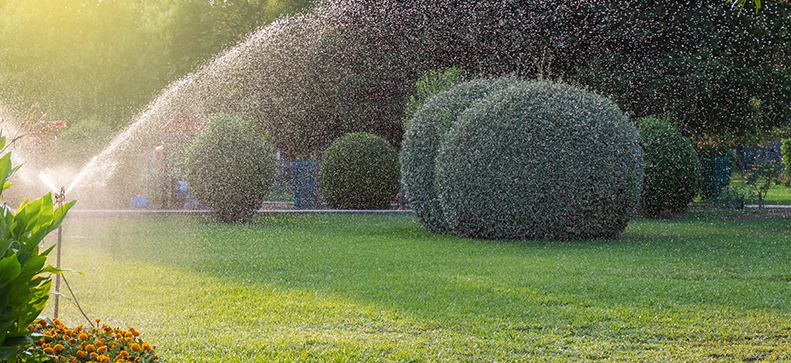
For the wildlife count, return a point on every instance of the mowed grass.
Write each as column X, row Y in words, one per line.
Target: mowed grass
column 344, row 288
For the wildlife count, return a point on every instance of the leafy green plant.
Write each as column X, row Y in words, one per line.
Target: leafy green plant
column 672, row 169
column 230, row 168
column 23, row 291
column 540, row 160
column 760, row 179
column 359, row 171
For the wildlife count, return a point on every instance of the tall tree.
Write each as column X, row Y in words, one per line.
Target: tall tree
column 726, row 76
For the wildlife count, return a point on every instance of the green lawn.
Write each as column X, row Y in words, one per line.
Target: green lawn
column 340, row 288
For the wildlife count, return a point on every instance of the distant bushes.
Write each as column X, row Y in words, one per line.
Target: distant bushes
column 359, row 171
column 672, row 168
column 523, row 160
column 230, row 168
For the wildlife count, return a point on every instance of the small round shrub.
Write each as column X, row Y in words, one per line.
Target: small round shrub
column 421, row 141
column 672, row 168
column 540, row 160
column 359, row 171
column 230, row 168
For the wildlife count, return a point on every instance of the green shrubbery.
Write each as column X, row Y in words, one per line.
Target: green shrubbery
column 422, row 140
column 536, row 160
column 672, row 168
column 230, row 168
column 359, row 171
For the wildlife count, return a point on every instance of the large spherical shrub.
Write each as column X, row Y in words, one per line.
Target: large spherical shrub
column 672, row 168
column 230, row 168
column 427, row 128
column 540, row 160
column 359, row 171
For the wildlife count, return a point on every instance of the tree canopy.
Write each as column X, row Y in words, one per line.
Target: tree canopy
column 107, row 59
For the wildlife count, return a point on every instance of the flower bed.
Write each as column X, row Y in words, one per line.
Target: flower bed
column 94, row 345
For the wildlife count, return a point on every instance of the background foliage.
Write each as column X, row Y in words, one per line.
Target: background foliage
column 89, row 60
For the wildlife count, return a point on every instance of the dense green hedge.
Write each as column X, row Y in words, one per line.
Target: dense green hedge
column 536, row 160
column 230, row 168
column 359, row 171
column 672, row 168
column 421, row 141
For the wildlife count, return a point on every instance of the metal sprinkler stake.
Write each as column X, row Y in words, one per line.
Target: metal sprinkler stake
column 59, row 198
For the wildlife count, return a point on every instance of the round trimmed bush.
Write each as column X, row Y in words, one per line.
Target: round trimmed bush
column 672, row 168
column 230, row 168
column 359, row 171
column 427, row 128
column 540, row 160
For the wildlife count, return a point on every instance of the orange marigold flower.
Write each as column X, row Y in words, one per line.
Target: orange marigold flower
column 101, row 350
column 94, row 355
column 83, row 336
column 135, row 347
column 128, row 340
column 30, row 327
column 128, row 335
column 56, row 321
column 49, row 350
column 81, row 353
column 147, row 347
column 58, row 348
column 110, row 344
column 90, row 348
column 97, row 321
column 73, row 359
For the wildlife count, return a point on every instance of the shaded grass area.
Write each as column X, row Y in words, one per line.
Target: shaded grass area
column 343, row 288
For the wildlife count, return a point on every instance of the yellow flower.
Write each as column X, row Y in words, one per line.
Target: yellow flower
column 135, row 347
column 94, row 355
column 90, row 348
column 83, row 336
column 147, row 347
column 49, row 351
column 58, row 348
column 101, row 350
column 81, row 353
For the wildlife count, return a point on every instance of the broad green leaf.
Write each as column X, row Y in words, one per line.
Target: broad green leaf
column 9, row 268
column 60, row 213
column 7, row 352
